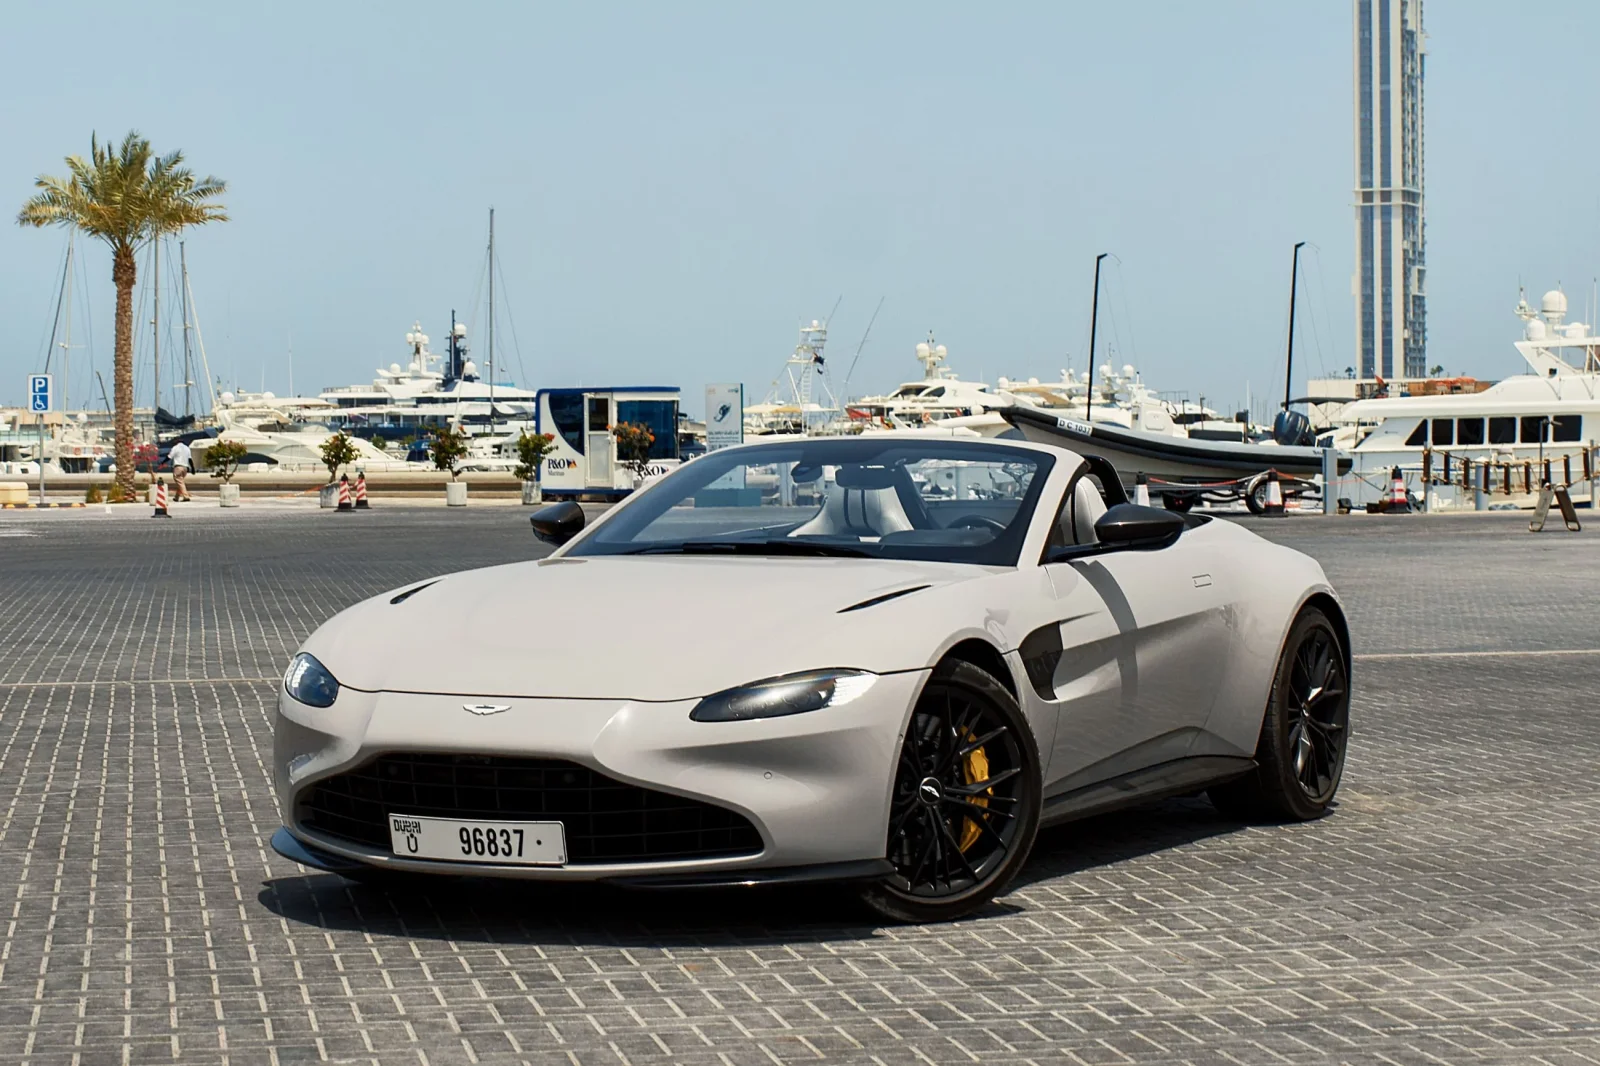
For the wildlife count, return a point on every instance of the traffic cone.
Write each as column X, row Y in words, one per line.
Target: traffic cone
column 161, row 500
column 1397, row 503
column 1274, row 501
column 361, row 490
column 344, row 492
column 1141, row 490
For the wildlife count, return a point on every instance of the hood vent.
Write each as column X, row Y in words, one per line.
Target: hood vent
column 885, row 598
column 408, row 593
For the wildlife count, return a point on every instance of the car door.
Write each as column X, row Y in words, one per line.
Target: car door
column 1144, row 637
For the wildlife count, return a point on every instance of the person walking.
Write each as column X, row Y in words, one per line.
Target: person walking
column 181, row 459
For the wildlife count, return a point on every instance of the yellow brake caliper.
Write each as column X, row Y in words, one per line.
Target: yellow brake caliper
column 975, row 768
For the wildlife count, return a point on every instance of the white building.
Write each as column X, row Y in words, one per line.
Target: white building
column 1390, row 281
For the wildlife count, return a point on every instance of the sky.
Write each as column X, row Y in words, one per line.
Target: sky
column 677, row 187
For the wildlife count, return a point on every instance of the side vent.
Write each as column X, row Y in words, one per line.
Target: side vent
column 885, row 598
column 408, row 593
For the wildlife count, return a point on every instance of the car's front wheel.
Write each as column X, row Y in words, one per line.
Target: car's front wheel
column 965, row 805
column 1300, row 753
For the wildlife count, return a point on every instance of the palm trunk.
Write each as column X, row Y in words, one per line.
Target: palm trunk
column 123, row 273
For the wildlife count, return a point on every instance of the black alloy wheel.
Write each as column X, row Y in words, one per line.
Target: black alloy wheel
column 1304, row 733
column 965, row 805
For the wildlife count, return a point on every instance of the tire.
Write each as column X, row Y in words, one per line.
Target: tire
column 1304, row 732
column 1256, row 497
column 955, row 847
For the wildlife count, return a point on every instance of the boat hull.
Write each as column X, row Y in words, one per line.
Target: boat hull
column 1168, row 458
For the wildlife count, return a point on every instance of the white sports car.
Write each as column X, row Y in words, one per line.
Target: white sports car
column 884, row 659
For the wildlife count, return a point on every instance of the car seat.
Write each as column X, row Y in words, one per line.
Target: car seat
column 857, row 513
column 1087, row 507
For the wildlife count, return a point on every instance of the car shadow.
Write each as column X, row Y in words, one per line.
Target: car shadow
column 1119, row 836
column 493, row 910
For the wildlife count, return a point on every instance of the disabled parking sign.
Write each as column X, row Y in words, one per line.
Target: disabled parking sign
column 41, row 393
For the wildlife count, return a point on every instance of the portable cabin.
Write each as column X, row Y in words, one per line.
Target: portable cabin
column 584, row 460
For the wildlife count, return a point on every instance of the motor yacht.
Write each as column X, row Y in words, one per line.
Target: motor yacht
column 430, row 390
column 1551, row 412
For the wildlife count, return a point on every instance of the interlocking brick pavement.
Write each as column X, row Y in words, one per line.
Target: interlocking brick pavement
column 1448, row 912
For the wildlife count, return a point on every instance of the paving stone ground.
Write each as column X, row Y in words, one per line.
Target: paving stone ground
column 1447, row 912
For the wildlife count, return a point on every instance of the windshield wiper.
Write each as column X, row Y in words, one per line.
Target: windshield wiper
column 750, row 547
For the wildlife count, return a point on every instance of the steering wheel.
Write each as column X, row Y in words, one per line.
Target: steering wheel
column 977, row 521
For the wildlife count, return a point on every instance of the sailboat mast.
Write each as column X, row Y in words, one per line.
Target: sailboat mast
column 66, row 344
column 1288, row 369
column 188, row 362
column 1094, row 323
column 491, row 316
column 155, row 321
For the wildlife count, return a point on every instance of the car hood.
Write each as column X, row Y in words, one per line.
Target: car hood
column 657, row 628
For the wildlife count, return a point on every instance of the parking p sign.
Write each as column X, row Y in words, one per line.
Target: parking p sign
column 41, row 393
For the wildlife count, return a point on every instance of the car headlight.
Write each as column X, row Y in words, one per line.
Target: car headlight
column 778, row 696
column 308, row 681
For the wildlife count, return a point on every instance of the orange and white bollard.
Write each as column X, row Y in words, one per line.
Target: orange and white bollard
column 344, row 492
column 161, row 500
column 361, row 490
column 1274, row 500
column 1397, row 503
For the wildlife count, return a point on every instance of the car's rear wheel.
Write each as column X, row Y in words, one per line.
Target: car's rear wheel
column 1300, row 753
column 965, row 805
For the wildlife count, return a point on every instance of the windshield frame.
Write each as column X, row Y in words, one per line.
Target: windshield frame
column 613, row 534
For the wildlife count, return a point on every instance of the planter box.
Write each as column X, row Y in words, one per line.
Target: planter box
column 455, row 494
column 228, row 494
column 532, row 493
column 328, row 496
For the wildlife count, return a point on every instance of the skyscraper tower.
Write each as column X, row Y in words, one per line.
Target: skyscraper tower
column 1390, row 282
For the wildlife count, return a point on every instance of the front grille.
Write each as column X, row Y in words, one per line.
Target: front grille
column 606, row 821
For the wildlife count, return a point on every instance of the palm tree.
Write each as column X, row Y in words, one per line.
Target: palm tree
column 127, row 197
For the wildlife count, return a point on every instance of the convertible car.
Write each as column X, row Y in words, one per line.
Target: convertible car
column 885, row 660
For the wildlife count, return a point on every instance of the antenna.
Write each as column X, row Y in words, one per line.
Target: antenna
column 851, row 372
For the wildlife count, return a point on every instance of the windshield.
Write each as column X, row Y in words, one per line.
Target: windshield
column 888, row 497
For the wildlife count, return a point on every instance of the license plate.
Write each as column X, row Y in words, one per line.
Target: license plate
column 503, row 843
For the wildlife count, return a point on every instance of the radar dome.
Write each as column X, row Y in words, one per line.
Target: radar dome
column 1536, row 330
column 924, row 349
column 469, row 369
column 268, row 396
column 394, row 368
column 1127, row 370
column 227, row 397
column 1554, row 302
column 1574, row 330
column 411, row 338
column 941, row 350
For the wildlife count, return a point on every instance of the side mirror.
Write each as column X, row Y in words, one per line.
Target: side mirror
column 1127, row 525
column 557, row 523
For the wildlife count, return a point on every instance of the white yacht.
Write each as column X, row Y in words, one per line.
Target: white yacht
column 936, row 398
column 431, row 390
column 283, row 433
column 1550, row 413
